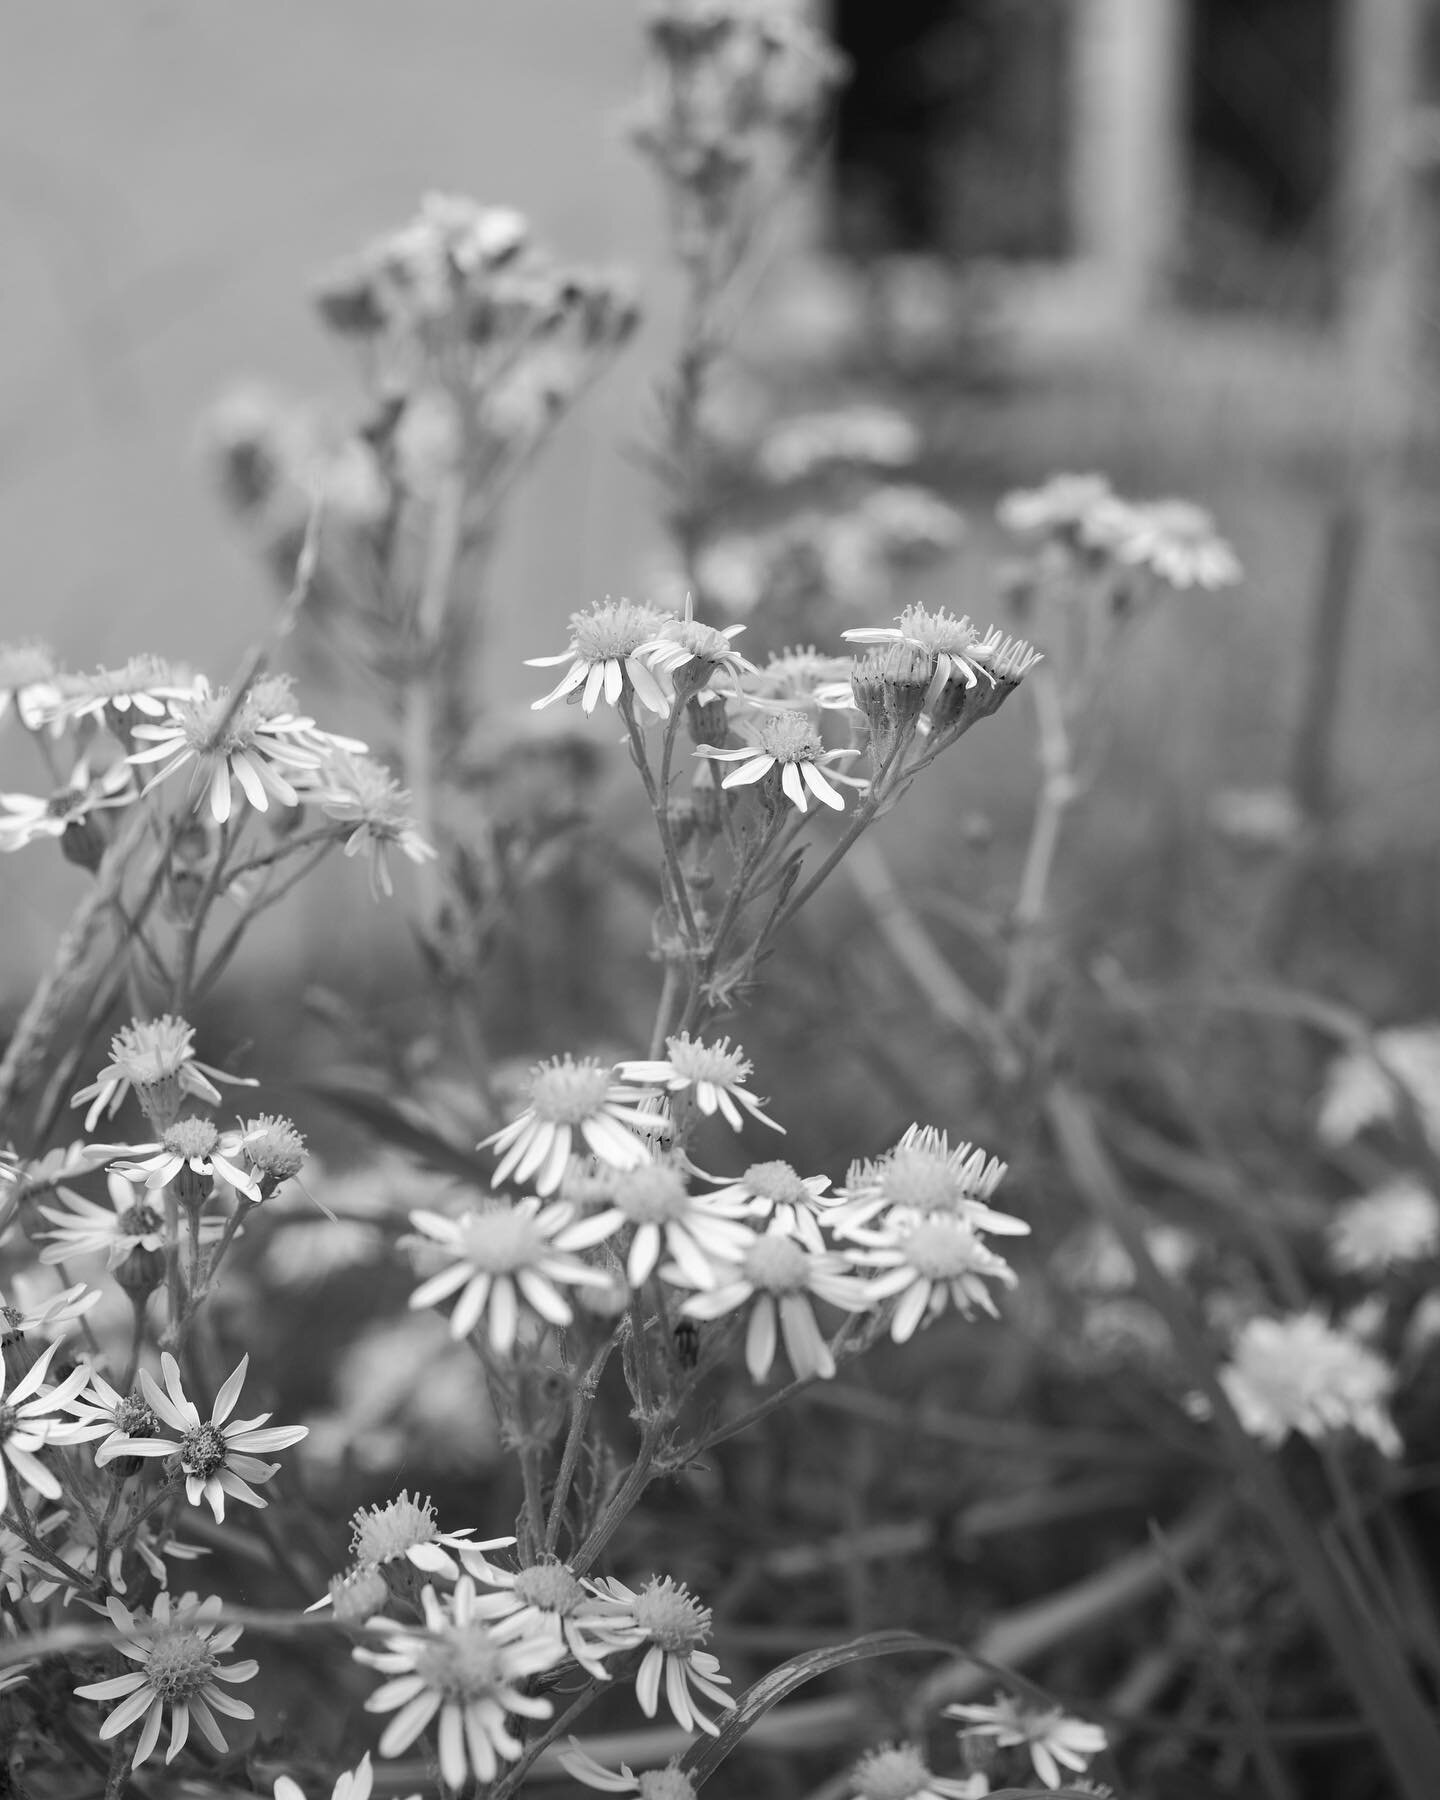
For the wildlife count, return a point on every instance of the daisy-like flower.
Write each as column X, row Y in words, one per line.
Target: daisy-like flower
column 508, row 1260
column 85, row 1228
column 714, row 1073
column 1396, row 1224
column 274, row 1150
column 350, row 1784
column 215, row 1457
column 548, row 1597
column 773, row 1194
column 926, row 1264
column 701, row 652
column 704, row 1238
column 788, row 742
column 669, row 1783
column 1172, row 539
column 143, row 688
column 1054, row 1740
column 178, row 1649
column 1300, row 1373
column 406, row 1529
column 801, row 681
column 900, row 1772
column 455, row 1666
column 25, row 817
column 951, row 641
column 921, row 1176
column 195, row 1153
column 29, row 1421
column 155, row 1057
column 779, row 1280
column 28, row 683
column 604, row 658
column 260, row 744
column 1062, row 507
column 362, row 794
column 673, row 1626
column 572, row 1100
column 1365, row 1086
column 34, row 1306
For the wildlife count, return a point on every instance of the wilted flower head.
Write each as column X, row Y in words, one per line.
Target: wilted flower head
column 1301, row 1374
column 142, row 688
column 949, row 641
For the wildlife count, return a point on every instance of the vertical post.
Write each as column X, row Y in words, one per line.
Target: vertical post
column 1381, row 251
column 1129, row 160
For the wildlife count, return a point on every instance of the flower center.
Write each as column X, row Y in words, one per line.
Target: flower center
column 652, row 1194
column 665, row 1784
column 202, row 1451
column 274, row 1146
column 776, row 1182
column 460, row 1662
column 191, row 1138
column 777, row 1264
column 564, row 1091
column 381, row 1532
column 137, row 1221
column 614, row 630
column 550, row 1586
column 937, row 631
column 941, row 1248
column 152, row 1049
column 716, row 1063
column 791, row 738
column 915, row 1179
column 179, row 1664
column 200, row 722
column 894, row 1773
column 500, row 1240
column 135, row 1419
column 671, row 1618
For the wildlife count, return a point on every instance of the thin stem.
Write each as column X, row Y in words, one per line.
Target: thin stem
column 1057, row 792
column 509, row 1783
column 656, row 794
column 580, row 1405
column 637, row 1479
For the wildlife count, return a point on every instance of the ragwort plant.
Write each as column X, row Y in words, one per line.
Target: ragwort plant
column 590, row 1238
